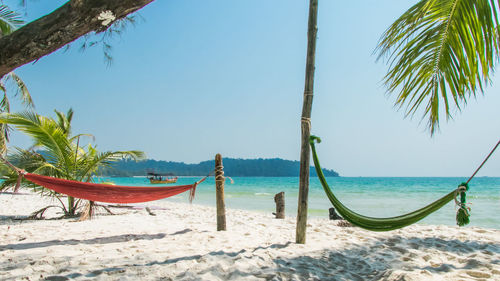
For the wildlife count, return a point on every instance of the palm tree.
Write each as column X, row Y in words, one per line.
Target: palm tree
column 438, row 48
column 56, row 153
column 9, row 22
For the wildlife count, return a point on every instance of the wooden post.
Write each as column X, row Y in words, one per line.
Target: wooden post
column 219, row 189
column 333, row 214
column 306, row 124
column 279, row 199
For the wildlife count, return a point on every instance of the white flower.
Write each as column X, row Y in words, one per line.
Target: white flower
column 107, row 17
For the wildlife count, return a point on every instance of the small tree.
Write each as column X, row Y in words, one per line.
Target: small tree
column 56, row 153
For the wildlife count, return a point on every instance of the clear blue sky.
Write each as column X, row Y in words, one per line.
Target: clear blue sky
column 195, row 78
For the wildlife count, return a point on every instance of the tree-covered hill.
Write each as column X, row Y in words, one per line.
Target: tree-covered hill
column 232, row 167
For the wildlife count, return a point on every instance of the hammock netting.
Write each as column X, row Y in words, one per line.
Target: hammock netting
column 383, row 224
column 110, row 193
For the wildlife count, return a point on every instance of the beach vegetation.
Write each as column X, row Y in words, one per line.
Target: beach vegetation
column 275, row 167
column 9, row 22
column 56, row 152
column 440, row 55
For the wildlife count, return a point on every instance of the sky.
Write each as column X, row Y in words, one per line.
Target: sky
column 194, row 78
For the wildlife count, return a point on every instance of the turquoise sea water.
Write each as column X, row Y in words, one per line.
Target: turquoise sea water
column 369, row 196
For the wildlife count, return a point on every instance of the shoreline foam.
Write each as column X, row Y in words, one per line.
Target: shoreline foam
column 181, row 243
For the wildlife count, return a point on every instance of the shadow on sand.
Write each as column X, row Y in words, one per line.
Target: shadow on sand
column 97, row 240
column 375, row 260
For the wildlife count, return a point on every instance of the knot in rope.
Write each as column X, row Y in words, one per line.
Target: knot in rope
column 20, row 177
column 463, row 212
column 219, row 173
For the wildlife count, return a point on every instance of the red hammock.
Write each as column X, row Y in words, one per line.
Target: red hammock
column 111, row 193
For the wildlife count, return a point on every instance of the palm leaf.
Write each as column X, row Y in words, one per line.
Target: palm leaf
column 31, row 162
column 46, row 133
column 22, row 90
column 5, row 103
column 440, row 48
column 60, row 154
column 2, row 87
column 93, row 160
column 9, row 20
column 76, row 137
column 4, row 128
column 64, row 120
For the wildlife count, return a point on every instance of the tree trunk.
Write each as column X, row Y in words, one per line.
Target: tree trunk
column 332, row 214
column 71, row 206
column 306, row 124
column 64, row 25
column 219, row 190
column 279, row 199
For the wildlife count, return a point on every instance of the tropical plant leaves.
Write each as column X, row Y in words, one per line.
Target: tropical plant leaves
column 9, row 20
column 440, row 48
column 23, row 92
column 55, row 152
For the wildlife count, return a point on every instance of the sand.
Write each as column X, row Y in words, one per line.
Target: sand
column 181, row 243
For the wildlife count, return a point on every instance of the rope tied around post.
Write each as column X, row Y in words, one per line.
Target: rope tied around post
column 306, row 122
column 219, row 174
column 308, row 93
column 219, row 193
column 463, row 212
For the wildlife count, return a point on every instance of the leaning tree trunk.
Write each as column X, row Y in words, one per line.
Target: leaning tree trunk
column 64, row 25
column 306, row 124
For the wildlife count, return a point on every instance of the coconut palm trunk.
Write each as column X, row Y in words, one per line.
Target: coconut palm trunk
column 306, row 124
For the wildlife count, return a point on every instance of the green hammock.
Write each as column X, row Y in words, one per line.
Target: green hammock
column 391, row 223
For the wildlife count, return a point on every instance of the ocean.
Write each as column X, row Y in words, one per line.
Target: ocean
column 377, row 197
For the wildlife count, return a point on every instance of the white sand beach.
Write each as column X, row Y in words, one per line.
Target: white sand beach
column 181, row 243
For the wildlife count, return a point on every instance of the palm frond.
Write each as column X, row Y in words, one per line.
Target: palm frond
column 3, row 138
column 4, row 128
column 5, row 103
column 64, row 120
column 23, row 159
column 440, row 48
column 93, row 160
column 69, row 115
column 32, row 162
column 2, row 87
column 22, row 90
column 59, row 154
column 9, row 20
column 76, row 137
column 46, row 133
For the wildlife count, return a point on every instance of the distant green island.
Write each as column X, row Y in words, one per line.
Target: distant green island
column 275, row 167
